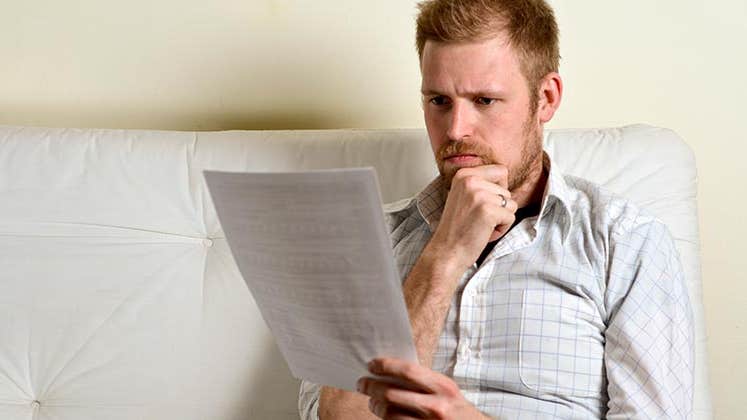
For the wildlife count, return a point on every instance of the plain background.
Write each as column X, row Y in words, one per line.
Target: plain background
column 274, row 64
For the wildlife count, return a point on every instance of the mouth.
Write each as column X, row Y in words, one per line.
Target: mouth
column 462, row 159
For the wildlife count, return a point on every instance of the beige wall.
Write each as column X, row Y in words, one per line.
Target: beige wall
column 251, row 64
column 678, row 64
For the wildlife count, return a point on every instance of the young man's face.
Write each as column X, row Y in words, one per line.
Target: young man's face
column 477, row 108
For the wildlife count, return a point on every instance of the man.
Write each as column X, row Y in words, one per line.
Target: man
column 531, row 294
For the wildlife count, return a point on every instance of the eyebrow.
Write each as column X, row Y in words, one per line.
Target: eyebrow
column 481, row 93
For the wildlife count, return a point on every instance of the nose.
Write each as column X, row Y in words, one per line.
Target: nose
column 460, row 122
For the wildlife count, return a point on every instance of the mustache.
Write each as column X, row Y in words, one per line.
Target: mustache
column 462, row 148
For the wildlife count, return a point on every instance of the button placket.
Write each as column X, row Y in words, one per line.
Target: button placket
column 464, row 351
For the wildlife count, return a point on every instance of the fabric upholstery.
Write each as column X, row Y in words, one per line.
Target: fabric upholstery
column 121, row 300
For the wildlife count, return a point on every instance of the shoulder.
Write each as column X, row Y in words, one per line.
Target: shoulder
column 398, row 211
column 614, row 232
column 625, row 235
column 403, row 219
column 625, row 243
column 398, row 206
column 607, row 212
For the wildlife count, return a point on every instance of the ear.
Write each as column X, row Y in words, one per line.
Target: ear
column 550, row 95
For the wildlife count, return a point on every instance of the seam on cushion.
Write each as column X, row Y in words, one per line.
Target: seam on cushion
column 137, row 289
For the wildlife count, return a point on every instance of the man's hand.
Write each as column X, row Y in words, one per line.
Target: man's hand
column 424, row 394
column 473, row 214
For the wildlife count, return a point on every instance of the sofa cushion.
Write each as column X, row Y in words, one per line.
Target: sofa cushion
column 120, row 296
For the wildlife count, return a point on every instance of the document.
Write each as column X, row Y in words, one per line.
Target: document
column 316, row 255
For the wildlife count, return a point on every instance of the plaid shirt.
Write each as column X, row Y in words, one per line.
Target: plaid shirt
column 580, row 312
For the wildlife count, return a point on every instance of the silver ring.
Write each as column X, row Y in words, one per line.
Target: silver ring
column 504, row 202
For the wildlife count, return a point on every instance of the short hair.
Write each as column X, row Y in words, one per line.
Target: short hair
column 529, row 25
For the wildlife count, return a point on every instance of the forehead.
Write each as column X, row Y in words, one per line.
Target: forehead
column 469, row 66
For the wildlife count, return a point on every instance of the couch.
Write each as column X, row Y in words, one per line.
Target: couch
column 120, row 300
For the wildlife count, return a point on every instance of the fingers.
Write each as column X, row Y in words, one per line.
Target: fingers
column 408, row 372
column 511, row 205
column 476, row 183
column 487, row 199
column 419, row 376
column 496, row 174
column 474, row 213
column 391, row 412
column 388, row 400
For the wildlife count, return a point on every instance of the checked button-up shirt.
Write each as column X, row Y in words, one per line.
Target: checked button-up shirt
column 580, row 312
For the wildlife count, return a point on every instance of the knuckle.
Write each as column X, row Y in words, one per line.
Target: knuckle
column 388, row 395
column 483, row 210
column 477, row 199
column 501, row 171
column 409, row 372
column 451, row 389
column 470, row 182
column 439, row 409
column 481, row 196
column 460, row 175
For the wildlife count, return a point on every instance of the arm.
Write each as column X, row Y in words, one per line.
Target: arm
column 649, row 353
column 472, row 216
column 427, row 304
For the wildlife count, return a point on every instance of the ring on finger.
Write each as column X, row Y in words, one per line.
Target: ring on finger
column 504, row 202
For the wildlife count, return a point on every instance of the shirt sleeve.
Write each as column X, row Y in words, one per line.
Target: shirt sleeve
column 308, row 400
column 649, row 350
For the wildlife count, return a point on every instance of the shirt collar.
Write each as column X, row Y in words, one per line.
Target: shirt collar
column 430, row 201
column 557, row 191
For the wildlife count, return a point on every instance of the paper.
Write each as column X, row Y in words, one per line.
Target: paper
column 317, row 257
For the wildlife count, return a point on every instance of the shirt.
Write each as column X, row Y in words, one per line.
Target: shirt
column 580, row 312
column 521, row 214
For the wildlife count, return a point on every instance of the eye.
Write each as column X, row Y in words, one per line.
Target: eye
column 439, row 100
column 485, row 101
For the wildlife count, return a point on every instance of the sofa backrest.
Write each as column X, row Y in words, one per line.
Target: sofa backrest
column 121, row 300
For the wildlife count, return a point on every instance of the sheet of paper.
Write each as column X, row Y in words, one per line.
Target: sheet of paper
column 315, row 252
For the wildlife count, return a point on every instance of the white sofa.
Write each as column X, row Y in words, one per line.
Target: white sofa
column 119, row 298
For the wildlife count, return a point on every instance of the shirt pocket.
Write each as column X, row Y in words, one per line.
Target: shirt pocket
column 561, row 344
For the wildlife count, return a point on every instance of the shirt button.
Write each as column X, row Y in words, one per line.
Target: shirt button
column 464, row 352
column 207, row 242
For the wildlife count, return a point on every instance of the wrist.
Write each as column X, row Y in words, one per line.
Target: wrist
column 339, row 404
column 445, row 261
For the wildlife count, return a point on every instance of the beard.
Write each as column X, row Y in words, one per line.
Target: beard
column 531, row 152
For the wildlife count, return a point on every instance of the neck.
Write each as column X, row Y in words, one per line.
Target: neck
column 533, row 188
